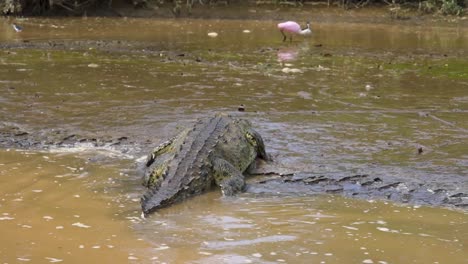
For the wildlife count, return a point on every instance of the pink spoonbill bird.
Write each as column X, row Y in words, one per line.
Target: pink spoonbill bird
column 290, row 28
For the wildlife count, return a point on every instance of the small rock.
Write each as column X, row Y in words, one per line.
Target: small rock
column 420, row 150
column 369, row 87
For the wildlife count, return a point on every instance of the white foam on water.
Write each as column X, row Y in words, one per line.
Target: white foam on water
column 107, row 151
column 78, row 224
column 351, row 228
column 53, row 260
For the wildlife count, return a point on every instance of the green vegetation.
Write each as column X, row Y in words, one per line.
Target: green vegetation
column 450, row 68
column 446, row 7
column 80, row 7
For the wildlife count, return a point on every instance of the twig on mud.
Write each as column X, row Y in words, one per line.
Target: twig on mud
column 272, row 173
column 446, row 122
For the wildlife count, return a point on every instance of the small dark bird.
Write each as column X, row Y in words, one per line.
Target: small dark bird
column 241, row 108
column 17, row 28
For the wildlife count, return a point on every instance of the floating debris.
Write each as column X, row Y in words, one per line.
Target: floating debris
column 93, row 65
column 291, row 70
column 162, row 247
column 6, row 218
column 212, row 34
column 351, row 228
column 383, row 229
column 78, row 224
column 246, row 31
column 424, row 235
column 47, row 217
column 53, row 260
column 321, row 68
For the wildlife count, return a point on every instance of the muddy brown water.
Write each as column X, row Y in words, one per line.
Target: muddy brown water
column 354, row 98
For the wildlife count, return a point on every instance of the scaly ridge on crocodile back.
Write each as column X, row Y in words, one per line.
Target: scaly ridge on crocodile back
column 216, row 151
column 199, row 148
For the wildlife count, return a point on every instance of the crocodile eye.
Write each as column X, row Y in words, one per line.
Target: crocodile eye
column 159, row 150
column 251, row 138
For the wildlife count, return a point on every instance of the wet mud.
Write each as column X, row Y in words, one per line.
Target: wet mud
column 109, row 46
column 397, row 189
column 13, row 136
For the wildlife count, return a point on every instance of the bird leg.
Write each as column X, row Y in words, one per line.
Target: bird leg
column 284, row 35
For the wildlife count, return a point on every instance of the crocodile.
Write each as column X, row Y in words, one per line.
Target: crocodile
column 216, row 151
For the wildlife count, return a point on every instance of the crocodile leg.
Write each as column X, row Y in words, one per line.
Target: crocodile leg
column 229, row 178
